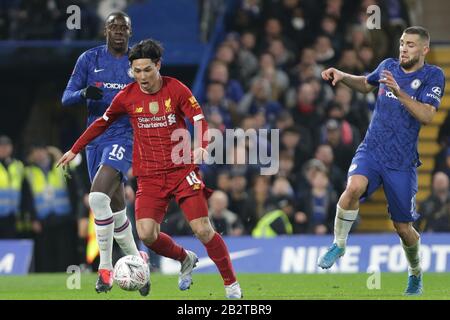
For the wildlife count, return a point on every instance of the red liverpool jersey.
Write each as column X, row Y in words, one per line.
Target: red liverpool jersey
column 154, row 118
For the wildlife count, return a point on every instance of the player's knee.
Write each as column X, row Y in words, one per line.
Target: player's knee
column 202, row 229
column 100, row 204
column 147, row 235
column 355, row 190
column 148, row 238
column 204, row 233
column 403, row 229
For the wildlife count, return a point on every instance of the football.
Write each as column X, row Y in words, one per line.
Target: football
column 131, row 273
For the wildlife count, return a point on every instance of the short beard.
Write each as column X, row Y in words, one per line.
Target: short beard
column 409, row 64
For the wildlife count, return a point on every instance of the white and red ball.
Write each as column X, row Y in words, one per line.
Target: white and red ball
column 131, row 273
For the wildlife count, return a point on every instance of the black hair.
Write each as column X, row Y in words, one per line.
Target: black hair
column 118, row 14
column 146, row 49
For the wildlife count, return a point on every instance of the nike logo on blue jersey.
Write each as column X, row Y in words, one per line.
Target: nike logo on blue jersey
column 98, row 70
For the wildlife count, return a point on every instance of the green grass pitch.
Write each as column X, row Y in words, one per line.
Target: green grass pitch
column 210, row 287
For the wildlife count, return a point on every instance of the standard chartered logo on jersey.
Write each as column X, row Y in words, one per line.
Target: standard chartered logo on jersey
column 260, row 148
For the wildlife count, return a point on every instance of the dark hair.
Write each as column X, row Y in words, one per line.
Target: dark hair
column 118, row 14
column 421, row 31
column 5, row 140
column 292, row 130
column 146, row 49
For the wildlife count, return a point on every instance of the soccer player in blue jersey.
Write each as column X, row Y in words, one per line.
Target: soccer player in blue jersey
column 409, row 93
column 99, row 74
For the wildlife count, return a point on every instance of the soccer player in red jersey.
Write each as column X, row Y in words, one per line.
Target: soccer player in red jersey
column 157, row 106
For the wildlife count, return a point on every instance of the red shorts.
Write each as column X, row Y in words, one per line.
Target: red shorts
column 155, row 192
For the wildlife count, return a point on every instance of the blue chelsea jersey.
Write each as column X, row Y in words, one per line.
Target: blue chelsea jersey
column 393, row 132
column 97, row 67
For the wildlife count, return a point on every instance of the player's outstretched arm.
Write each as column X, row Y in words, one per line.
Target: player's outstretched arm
column 115, row 111
column 65, row 159
column 93, row 131
column 358, row 83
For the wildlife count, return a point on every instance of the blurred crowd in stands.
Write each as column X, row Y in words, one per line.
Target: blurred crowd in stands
column 46, row 19
column 265, row 74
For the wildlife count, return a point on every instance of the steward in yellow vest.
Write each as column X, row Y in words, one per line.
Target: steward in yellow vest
column 275, row 223
column 15, row 194
column 56, row 223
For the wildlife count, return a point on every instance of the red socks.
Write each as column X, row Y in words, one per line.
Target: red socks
column 216, row 248
column 218, row 252
column 165, row 246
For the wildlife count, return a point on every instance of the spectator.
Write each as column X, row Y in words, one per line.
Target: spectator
column 295, row 143
column 353, row 109
column 34, row 19
column 334, row 8
column 219, row 110
column 324, row 153
column 286, row 169
column 349, row 62
column 284, row 120
column 443, row 139
column 281, row 187
column 349, row 134
column 435, row 210
column 224, row 221
column 284, row 57
column 223, row 182
column 238, row 193
column 329, row 27
column 219, row 72
column 273, row 30
column 307, row 61
column 308, row 170
column 278, row 79
column 15, row 193
column 277, row 222
column 342, row 152
column 248, row 16
column 55, row 201
column 306, row 112
column 317, row 206
column 326, row 55
column 246, row 59
column 295, row 19
column 367, row 56
column 259, row 99
column 257, row 202
column 357, row 37
column 226, row 53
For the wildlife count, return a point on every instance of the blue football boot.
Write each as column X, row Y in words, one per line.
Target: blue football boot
column 329, row 258
column 415, row 285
